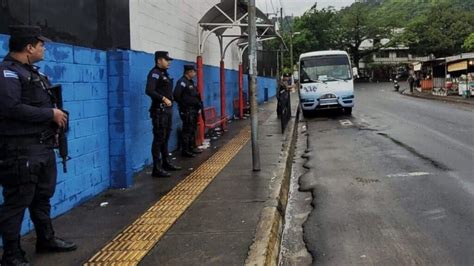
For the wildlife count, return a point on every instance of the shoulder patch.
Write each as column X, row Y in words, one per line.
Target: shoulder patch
column 10, row 74
column 183, row 84
column 155, row 76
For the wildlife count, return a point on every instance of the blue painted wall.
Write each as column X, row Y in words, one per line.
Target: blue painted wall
column 111, row 131
column 133, row 131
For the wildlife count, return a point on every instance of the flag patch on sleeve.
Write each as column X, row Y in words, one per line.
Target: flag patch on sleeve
column 10, row 74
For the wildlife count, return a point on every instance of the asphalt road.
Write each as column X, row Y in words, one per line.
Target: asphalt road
column 393, row 184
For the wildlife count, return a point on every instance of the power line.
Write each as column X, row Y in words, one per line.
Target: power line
column 273, row 7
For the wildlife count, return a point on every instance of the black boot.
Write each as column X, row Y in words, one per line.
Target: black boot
column 167, row 165
column 13, row 255
column 196, row 151
column 158, row 171
column 10, row 260
column 188, row 154
column 54, row 244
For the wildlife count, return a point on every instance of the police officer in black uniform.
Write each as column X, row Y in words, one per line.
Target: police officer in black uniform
column 283, row 90
column 28, row 126
column 160, row 89
column 189, row 102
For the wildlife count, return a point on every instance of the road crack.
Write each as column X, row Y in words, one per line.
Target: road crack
column 433, row 162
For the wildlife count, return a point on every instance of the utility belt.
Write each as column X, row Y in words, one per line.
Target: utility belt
column 160, row 109
column 46, row 138
column 189, row 110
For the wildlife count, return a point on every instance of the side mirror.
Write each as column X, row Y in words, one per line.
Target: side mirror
column 355, row 72
column 295, row 76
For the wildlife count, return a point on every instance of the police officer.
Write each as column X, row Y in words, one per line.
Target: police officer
column 189, row 102
column 28, row 126
column 284, row 88
column 160, row 89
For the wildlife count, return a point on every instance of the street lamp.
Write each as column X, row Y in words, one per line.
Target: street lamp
column 291, row 49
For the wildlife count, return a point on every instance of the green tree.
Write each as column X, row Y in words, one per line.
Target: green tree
column 357, row 24
column 469, row 43
column 440, row 31
column 316, row 28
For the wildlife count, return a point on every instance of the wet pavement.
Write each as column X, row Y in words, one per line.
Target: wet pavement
column 217, row 229
column 393, row 184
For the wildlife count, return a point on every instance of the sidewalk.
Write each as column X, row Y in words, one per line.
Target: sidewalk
column 452, row 99
column 219, row 226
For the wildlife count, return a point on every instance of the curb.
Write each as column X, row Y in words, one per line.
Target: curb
column 265, row 248
column 439, row 98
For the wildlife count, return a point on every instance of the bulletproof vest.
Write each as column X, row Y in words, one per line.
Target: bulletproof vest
column 190, row 94
column 34, row 92
column 164, row 86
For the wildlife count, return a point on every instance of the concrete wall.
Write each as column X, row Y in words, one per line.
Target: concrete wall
column 130, row 125
column 172, row 26
column 110, row 136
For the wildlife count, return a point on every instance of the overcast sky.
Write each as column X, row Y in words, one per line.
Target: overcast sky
column 298, row 7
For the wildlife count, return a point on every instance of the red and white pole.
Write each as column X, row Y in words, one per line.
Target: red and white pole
column 200, row 85
column 241, row 91
column 222, row 85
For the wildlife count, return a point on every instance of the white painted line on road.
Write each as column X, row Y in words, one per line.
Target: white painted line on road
column 409, row 174
column 438, row 217
column 435, row 214
column 434, row 211
column 345, row 122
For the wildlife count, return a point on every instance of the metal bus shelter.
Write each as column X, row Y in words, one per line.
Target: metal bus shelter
column 227, row 15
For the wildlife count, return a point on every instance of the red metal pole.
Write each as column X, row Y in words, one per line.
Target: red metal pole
column 223, row 107
column 241, row 91
column 200, row 85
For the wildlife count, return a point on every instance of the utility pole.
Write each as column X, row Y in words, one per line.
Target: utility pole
column 291, row 52
column 281, row 47
column 252, row 19
column 278, row 63
column 292, row 34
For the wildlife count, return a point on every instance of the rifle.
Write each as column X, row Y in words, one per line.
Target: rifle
column 61, row 140
column 203, row 115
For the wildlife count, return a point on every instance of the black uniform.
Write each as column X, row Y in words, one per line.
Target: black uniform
column 27, row 160
column 189, row 102
column 28, row 172
column 282, row 94
column 159, row 85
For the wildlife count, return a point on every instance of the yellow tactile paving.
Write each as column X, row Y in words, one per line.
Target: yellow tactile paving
column 134, row 242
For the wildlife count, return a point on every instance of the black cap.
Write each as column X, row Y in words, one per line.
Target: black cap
column 26, row 31
column 286, row 75
column 162, row 54
column 189, row 67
